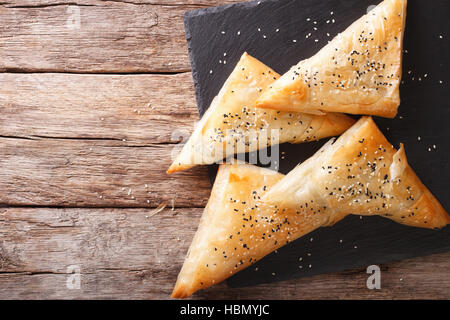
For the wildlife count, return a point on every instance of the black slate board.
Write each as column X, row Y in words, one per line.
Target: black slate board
column 424, row 113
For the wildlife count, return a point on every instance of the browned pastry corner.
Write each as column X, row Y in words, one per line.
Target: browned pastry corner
column 358, row 72
column 237, row 229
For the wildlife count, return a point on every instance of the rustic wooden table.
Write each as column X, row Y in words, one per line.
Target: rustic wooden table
column 90, row 97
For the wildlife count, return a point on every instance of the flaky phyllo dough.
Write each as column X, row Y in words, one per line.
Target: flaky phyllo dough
column 358, row 72
column 361, row 173
column 237, row 228
column 253, row 211
column 233, row 125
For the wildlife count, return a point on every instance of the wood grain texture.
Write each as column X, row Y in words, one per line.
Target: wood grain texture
column 123, row 253
column 41, row 3
column 142, row 109
column 96, row 140
column 94, row 36
column 79, row 173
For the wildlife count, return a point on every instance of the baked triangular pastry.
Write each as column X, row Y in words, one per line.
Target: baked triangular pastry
column 361, row 173
column 358, row 72
column 233, row 125
column 236, row 229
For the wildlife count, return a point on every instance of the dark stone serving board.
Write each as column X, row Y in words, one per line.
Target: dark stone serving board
column 424, row 113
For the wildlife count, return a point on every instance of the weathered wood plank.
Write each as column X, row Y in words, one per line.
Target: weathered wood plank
column 86, row 140
column 142, row 109
column 94, row 36
column 80, row 173
column 123, row 254
column 37, row 3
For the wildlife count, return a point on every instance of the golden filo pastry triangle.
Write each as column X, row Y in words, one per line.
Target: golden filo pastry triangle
column 237, row 229
column 361, row 173
column 358, row 72
column 233, row 125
